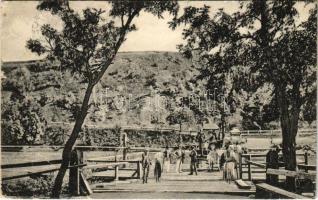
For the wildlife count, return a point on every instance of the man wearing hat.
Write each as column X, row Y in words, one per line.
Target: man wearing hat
column 200, row 139
column 145, row 165
column 193, row 163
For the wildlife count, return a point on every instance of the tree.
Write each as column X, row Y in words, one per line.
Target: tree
column 310, row 109
column 22, row 123
column 87, row 45
column 178, row 116
column 265, row 40
column 259, row 109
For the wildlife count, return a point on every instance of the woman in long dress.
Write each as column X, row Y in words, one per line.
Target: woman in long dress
column 212, row 157
column 229, row 167
column 166, row 160
column 157, row 169
column 178, row 154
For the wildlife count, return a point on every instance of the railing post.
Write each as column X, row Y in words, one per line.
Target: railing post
column 125, row 147
column 116, row 172
column 74, row 175
column 139, row 168
column 125, row 153
column 116, row 151
column 306, row 160
column 240, row 165
column 249, row 168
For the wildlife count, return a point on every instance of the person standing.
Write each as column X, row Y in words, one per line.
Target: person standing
column 182, row 158
column 272, row 161
column 123, row 143
column 157, row 170
column 212, row 157
column 201, row 139
column 145, row 166
column 238, row 152
column 212, row 140
column 229, row 166
column 178, row 154
column 193, row 162
column 166, row 160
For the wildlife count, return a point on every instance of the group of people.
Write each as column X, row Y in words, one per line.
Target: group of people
column 212, row 158
column 162, row 161
column 226, row 159
column 229, row 161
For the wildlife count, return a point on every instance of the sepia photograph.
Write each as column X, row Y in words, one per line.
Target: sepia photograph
column 158, row 99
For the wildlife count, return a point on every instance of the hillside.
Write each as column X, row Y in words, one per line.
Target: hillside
column 138, row 89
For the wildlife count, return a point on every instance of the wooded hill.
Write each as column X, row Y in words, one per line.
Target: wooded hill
column 139, row 89
column 135, row 78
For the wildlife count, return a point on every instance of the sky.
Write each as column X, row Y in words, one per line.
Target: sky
column 20, row 21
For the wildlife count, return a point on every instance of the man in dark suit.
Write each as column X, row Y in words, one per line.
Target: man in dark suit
column 194, row 159
column 201, row 139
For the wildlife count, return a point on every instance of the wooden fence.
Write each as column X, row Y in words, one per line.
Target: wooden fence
column 269, row 132
column 78, row 185
column 248, row 164
column 273, row 189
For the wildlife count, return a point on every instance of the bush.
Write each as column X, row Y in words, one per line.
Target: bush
column 32, row 187
column 156, row 139
column 22, row 123
column 55, row 135
column 99, row 137
column 29, row 187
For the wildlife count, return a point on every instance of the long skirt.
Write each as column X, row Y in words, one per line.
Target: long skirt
column 178, row 165
column 166, row 165
column 229, row 171
column 157, row 171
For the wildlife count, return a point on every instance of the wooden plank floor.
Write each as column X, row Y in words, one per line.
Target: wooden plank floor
column 204, row 182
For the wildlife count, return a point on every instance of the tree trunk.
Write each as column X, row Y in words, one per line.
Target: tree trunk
column 70, row 143
column 289, row 151
column 289, row 115
column 222, row 126
column 83, row 112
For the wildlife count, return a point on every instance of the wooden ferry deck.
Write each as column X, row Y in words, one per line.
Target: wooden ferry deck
column 204, row 185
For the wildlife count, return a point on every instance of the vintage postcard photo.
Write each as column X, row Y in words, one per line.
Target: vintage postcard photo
column 158, row 99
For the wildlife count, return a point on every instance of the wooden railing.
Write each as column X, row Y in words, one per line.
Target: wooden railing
column 307, row 167
column 270, row 132
column 272, row 189
column 159, row 129
column 30, row 164
column 77, row 182
column 36, row 172
column 246, row 163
